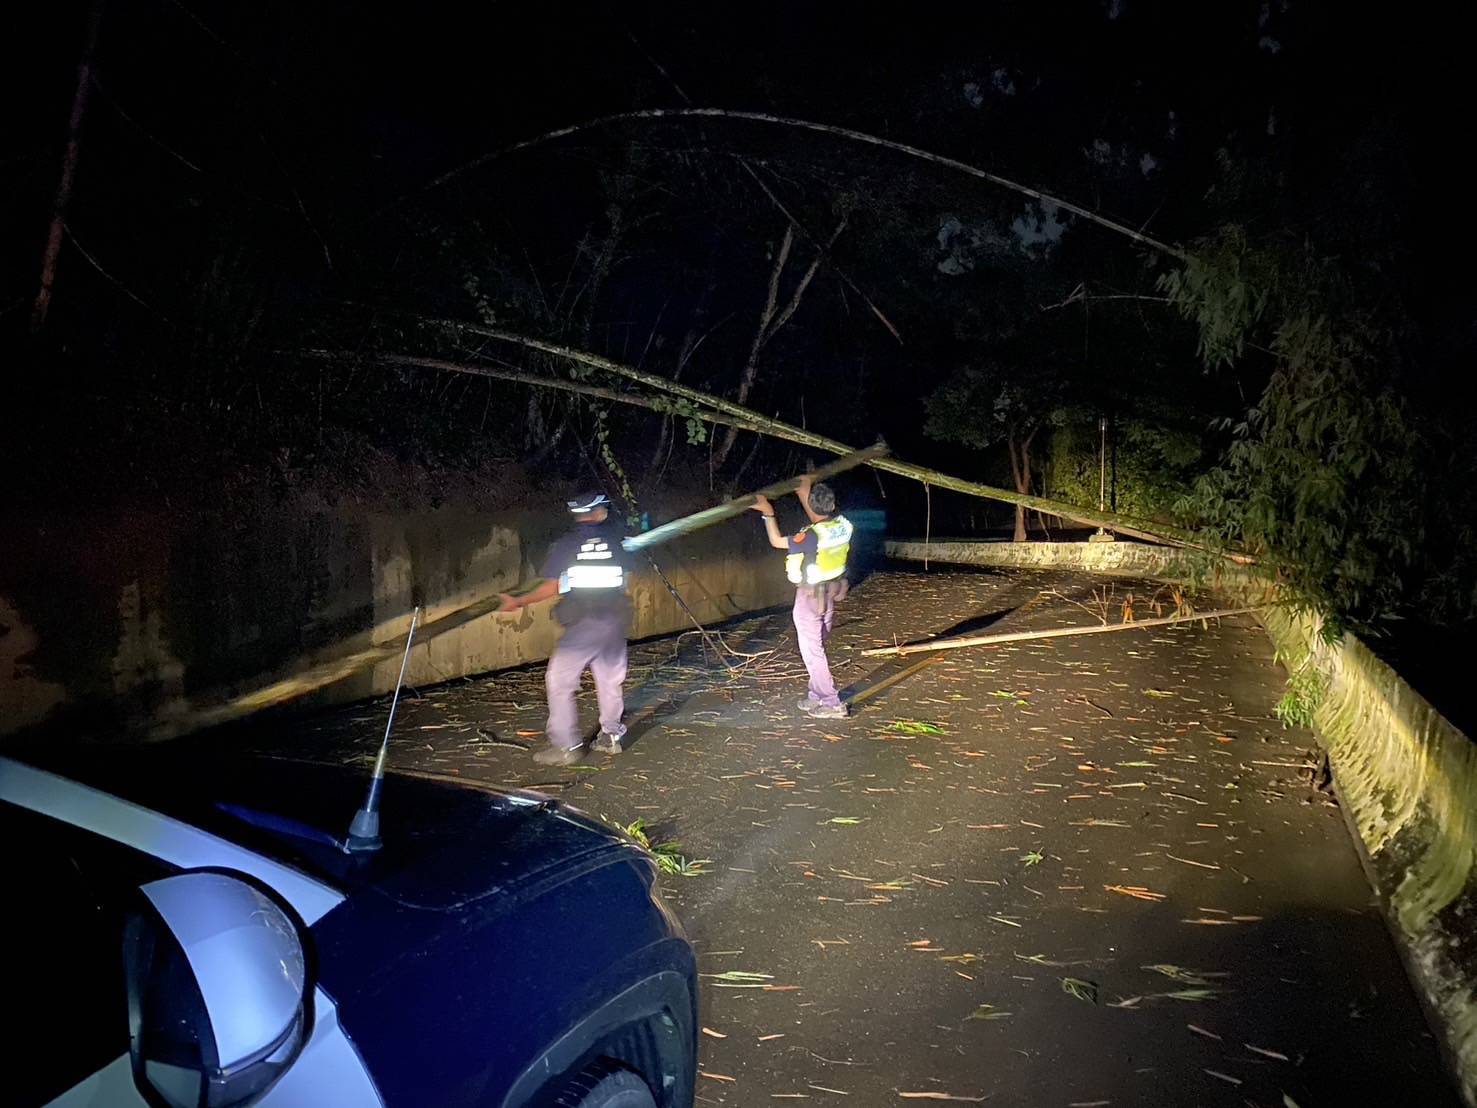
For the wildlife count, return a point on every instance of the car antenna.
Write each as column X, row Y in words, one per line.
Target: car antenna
column 364, row 832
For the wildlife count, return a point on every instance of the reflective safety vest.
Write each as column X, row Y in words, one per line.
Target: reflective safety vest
column 833, row 543
column 595, row 567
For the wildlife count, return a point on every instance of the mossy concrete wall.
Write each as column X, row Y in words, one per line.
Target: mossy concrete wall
column 150, row 622
column 1407, row 778
column 1408, row 781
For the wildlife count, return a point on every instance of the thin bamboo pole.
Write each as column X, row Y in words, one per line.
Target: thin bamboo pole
column 847, row 133
column 737, row 506
column 1054, row 633
column 499, row 374
column 888, row 682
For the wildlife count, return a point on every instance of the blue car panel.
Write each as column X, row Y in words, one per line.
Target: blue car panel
column 498, row 943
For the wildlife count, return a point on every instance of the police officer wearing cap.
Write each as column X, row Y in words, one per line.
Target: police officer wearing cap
column 586, row 569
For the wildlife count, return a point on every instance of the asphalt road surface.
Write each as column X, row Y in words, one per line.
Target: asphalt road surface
column 1075, row 872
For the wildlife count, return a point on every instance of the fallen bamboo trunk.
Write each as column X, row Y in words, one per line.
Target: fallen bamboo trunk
column 1126, row 525
column 888, row 682
column 321, row 675
column 1054, row 633
column 497, row 373
column 739, row 505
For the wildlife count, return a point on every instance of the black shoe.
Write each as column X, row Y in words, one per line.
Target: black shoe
column 552, row 755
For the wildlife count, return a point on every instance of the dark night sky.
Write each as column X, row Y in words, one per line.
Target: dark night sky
column 383, row 101
column 313, row 127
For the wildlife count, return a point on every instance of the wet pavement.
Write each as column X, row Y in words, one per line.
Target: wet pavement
column 1073, row 872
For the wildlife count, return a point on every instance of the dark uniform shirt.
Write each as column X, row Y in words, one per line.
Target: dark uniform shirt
column 805, row 542
column 578, row 604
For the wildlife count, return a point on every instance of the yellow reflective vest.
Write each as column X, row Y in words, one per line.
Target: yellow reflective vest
column 833, row 544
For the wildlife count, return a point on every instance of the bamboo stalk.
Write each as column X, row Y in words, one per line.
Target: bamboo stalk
column 1126, row 525
column 685, row 525
column 321, row 675
column 734, row 415
column 1054, row 633
column 888, row 682
column 499, row 374
column 826, row 129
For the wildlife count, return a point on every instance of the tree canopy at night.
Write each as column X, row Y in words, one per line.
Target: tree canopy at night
column 1222, row 228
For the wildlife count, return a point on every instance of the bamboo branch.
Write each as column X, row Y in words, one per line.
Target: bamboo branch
column 775, row 200
column 1126, row 525
column 806, row 278
column 499, row 374
column 1053, row 633
column 823, row 128
column 845, row 277
column 119, row 285
column 762, row 335
column 739, row 505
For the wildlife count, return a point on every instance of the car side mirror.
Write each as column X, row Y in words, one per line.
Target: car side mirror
column 217, row 987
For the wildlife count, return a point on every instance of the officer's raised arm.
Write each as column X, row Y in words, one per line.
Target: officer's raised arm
column 772, row 529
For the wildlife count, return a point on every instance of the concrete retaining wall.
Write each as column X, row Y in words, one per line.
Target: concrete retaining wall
column 1408, row 781
column 151, row 622
column 1406, row 776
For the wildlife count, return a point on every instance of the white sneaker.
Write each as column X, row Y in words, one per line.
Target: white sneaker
column 608, row 743
column 828, row 711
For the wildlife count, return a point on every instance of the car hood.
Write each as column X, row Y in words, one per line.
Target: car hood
column 445, row 844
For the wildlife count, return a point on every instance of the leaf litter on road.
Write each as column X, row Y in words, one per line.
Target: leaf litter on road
column 1079, row 988
column 1076, row 765
column 988, row 1012
column 915, row 727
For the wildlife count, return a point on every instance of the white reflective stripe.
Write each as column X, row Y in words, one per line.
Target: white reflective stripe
column 168, row 839
column 594, row 577
column 583, row 555
column 328, row 1074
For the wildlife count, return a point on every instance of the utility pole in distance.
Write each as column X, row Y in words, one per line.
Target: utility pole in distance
column 1102, row 481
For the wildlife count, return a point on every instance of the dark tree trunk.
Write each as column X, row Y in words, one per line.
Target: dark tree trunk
column 1020, row 469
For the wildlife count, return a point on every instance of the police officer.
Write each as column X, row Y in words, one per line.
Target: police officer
column 816, row 563
column 587, row 570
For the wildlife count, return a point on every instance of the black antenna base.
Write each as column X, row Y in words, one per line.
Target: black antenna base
column 364, row 833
